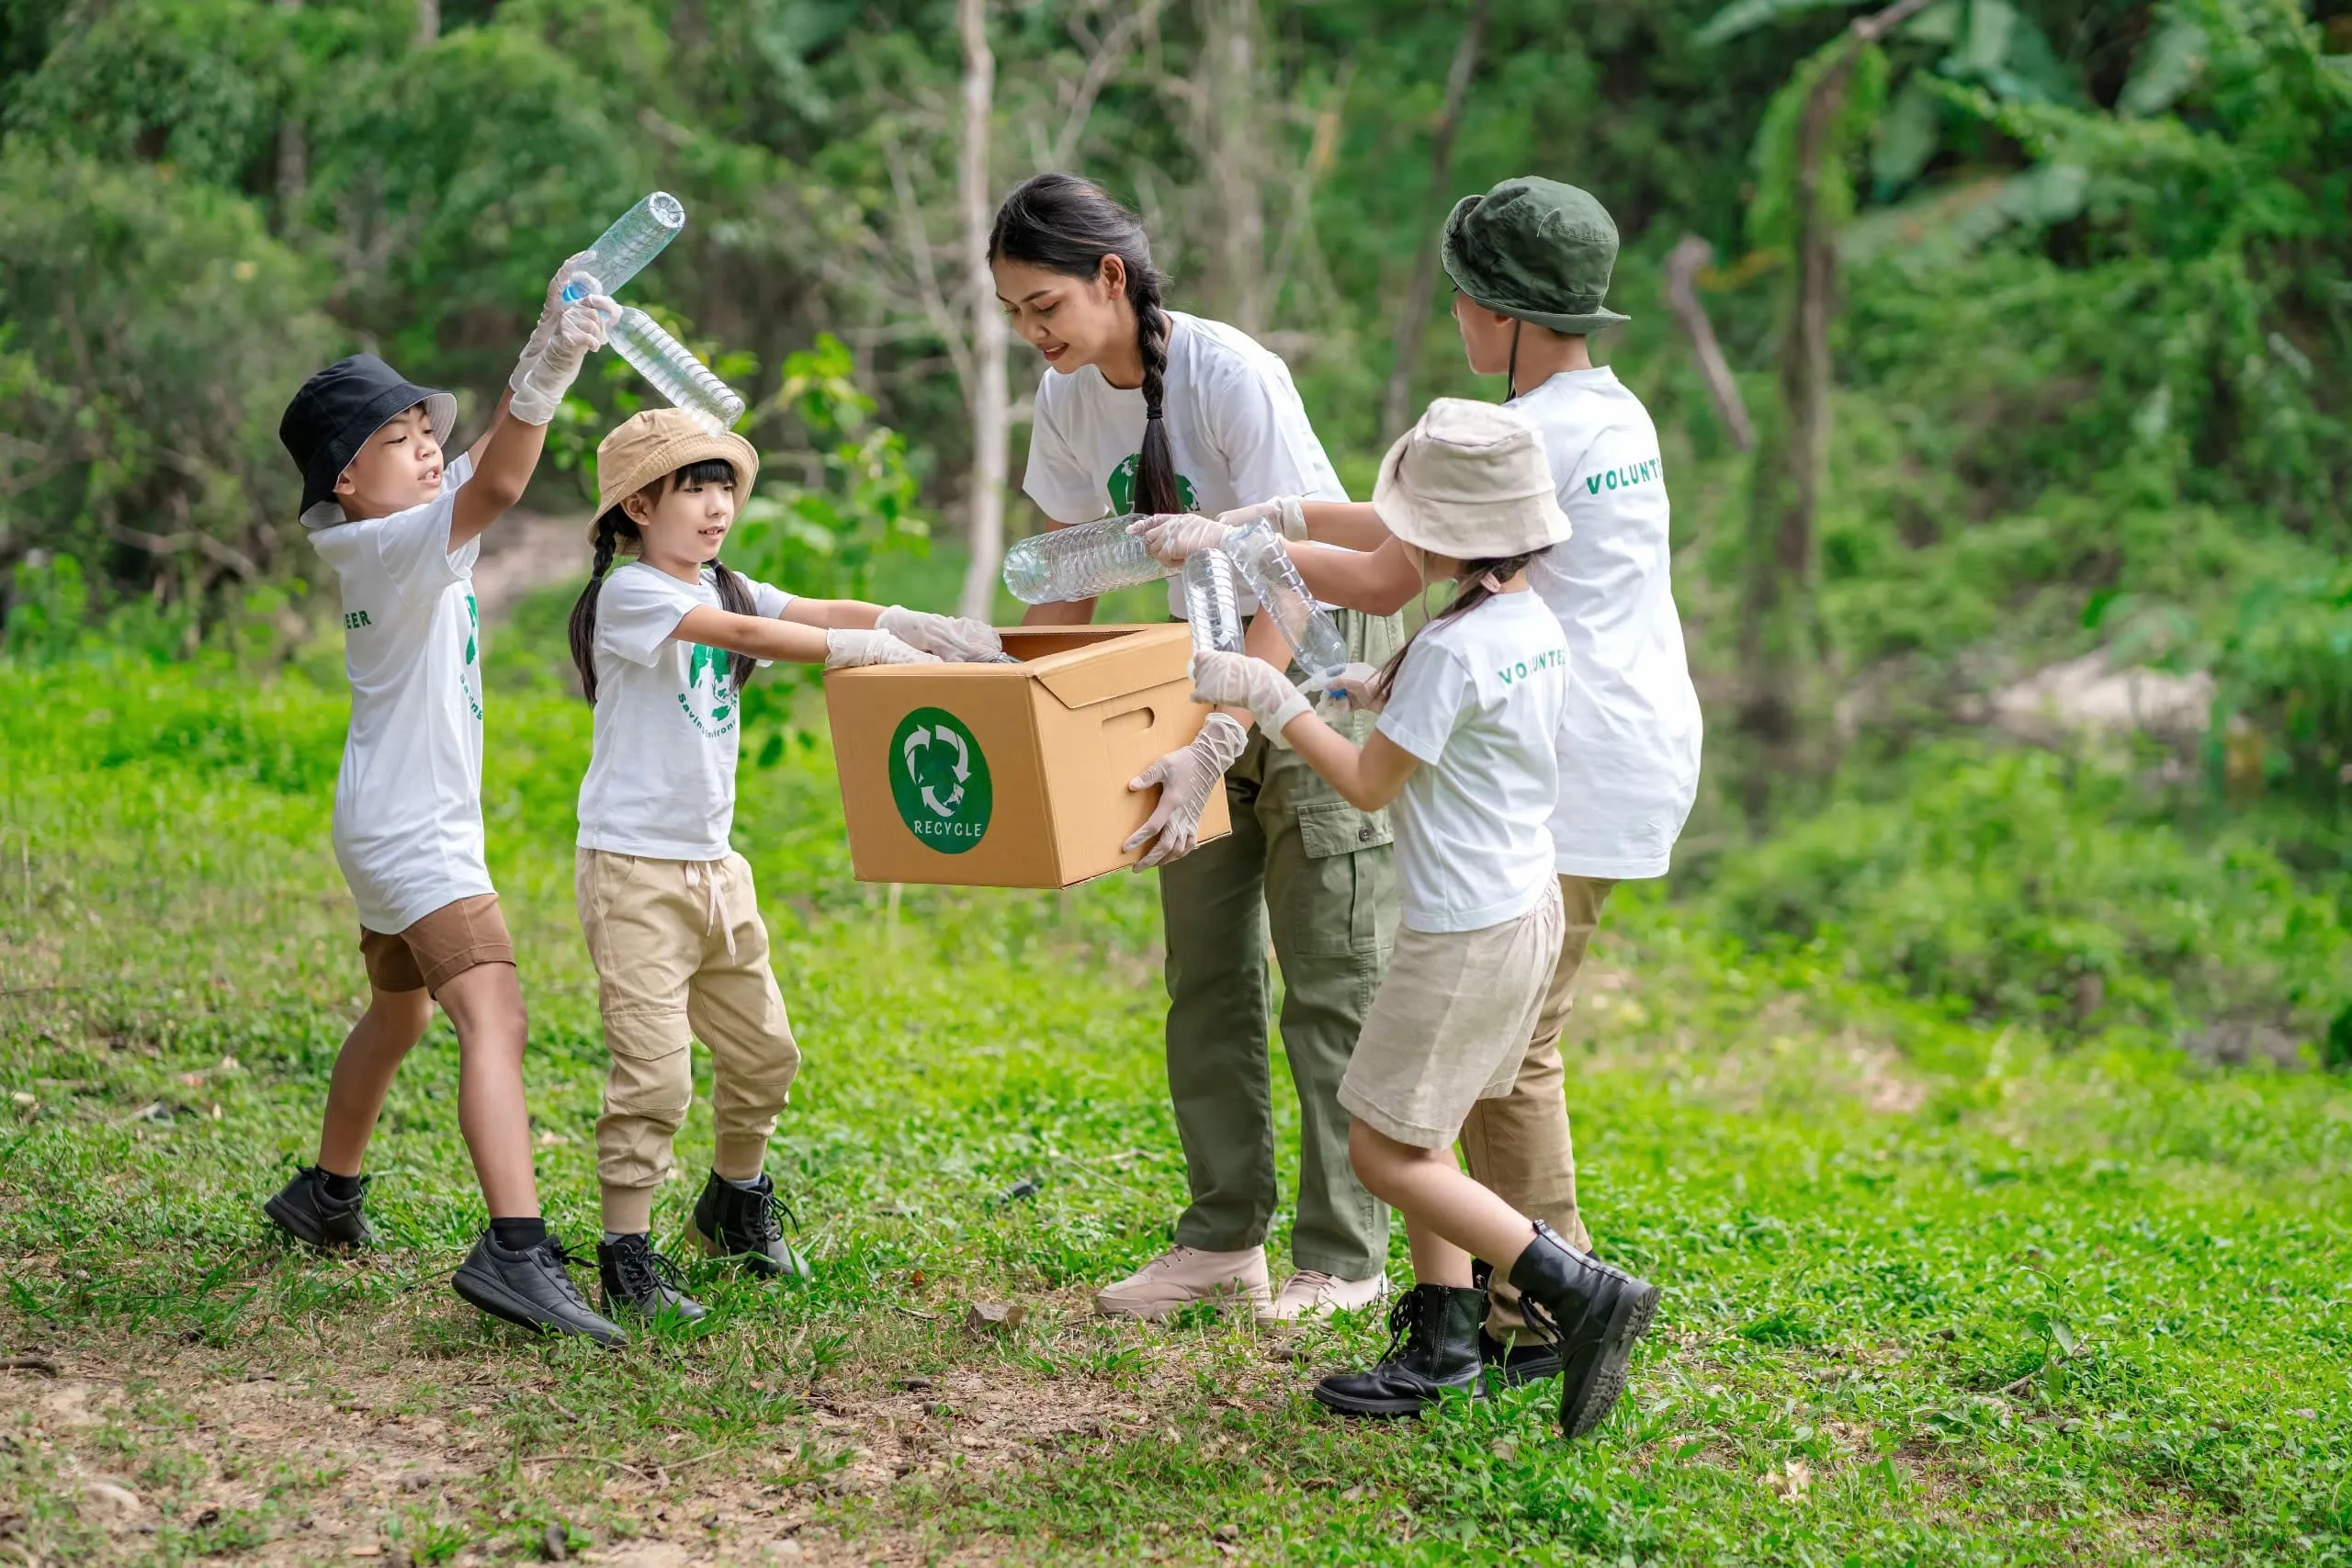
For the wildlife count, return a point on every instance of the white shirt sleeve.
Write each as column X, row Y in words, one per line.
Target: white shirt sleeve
column 1254, row 416
column 638, row 610
column 1056, row 479
column 767, row 602
column 1435, row 695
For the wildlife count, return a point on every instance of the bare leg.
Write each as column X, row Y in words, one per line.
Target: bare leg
column 372, row 1053
column 1448, row 1217
column 485, row 1003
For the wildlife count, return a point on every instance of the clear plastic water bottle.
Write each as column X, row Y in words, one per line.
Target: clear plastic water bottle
column 1314, row 637
column 1080, row 561
column 673, row 370
column 1211, row 602
column 624, row 250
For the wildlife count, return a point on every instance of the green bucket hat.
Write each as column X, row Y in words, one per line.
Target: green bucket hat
column 1535, row 249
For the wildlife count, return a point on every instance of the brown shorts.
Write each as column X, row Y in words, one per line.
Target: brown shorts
column 440, row 947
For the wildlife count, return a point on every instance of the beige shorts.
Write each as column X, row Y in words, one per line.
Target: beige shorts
column 1451, row 1023
column 440, row 947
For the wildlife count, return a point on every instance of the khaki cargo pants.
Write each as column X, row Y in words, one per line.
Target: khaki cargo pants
column 1519, row 1146
column 1324, row 872
column 681, row 955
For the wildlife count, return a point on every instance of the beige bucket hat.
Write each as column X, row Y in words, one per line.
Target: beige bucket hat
column 1470, row 481
column 644, row 446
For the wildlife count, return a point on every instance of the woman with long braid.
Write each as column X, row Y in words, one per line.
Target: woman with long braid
column 1146, row 409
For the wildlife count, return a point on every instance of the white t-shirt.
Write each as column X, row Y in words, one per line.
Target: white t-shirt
column 1479, row 702
column 1235, row 427
column 408, row 801
column 1629, row 746
column 662, row 776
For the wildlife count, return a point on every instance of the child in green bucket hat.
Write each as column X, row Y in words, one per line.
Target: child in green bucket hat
column 1530, row 262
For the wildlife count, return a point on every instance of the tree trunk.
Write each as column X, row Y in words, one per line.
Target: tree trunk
column 1235, row 162
column 293, row 155
column 1412, row 317
column 1779, row 622
column 428, row 23
column 1683, row 264
column 986, row 395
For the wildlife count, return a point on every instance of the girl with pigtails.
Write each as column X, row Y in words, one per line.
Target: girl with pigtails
column 663, row 642
column 1145, row 409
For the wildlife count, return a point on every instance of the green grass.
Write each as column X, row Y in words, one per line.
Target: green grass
column 1935, row 1294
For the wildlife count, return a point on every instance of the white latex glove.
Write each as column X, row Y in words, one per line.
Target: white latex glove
column 1238, row 681
column 850, row 649
column 1176, row 536
column 539, row 383
column 550, row 313
column 958, row 640
column 1185, row 778
column 1284, row 512
column 1351, row 690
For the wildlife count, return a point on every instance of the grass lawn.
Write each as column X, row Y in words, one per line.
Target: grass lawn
column 1933, row 1295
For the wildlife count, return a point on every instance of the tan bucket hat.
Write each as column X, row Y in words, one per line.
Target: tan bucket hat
column 1470, row 481
column 645, row 447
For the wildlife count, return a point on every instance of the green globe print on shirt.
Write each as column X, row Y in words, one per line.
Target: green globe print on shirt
column 1122, row 486
column 939, row 780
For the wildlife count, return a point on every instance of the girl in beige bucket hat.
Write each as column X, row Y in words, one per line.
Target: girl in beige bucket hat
column 1466, row 750
column 664, row 643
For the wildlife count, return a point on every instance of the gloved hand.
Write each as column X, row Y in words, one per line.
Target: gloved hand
column 1349, row 691
column 1176, row 536
column 1236, row 680
column 540, row 384
column 1284, row 512
column 958, row 640
column 1185, row 777
column 851, row 650
column 549, row 313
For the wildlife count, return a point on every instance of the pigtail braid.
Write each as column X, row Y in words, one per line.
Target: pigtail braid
column 735, row 598
column 613, row 526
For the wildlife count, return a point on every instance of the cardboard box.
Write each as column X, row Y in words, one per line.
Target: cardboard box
column 1012, row 775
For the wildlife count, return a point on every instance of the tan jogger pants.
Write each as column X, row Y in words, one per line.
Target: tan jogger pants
column 681, row 955
column 1519, row 1147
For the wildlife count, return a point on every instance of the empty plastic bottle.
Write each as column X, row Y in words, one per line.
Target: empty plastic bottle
column 624, row 250
column 672, row 368
column 1211, row 602
column 1079, row 562
column 1314, row 637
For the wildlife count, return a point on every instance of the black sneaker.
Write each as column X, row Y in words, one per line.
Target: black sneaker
column 307, row 1212
column 531, row 1288
column 634, row 1278
column 1432, row 1347
column 733, row 1222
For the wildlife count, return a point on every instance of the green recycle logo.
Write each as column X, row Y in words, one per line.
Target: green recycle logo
column 1122, row 486
column 939, row 780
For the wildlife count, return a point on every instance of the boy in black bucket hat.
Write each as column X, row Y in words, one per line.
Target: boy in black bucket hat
column 402, row 526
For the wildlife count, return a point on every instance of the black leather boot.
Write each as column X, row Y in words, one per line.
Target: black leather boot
column 730, row 1221
column 1432, row 1345
column 636, row 1279
column 1593, row 1312
column 1516, row 1364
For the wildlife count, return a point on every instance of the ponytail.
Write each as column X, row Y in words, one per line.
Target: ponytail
column 735, row 598
column 1473, row 589
column 1068, row 225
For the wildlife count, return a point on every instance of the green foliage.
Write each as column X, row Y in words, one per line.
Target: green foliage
column 2020, row 885
column 2286, row 675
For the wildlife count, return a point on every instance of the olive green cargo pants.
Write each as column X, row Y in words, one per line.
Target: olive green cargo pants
column 1324, row 872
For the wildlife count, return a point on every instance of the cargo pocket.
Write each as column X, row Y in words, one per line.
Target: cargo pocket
column 1343, row 900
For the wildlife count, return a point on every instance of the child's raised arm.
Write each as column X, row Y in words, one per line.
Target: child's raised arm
column 1367, row 777
column 505, row 458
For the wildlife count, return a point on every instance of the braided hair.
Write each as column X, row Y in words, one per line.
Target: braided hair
column 615, row 534
column 1068, row 225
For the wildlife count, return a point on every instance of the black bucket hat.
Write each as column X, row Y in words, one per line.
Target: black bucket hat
column 1535, row 249
column 336, row 413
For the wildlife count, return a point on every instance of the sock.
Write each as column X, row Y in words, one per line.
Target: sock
column 518, row 1236
column 342, row 1188
column 612, row 1236
column 751, row 1186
